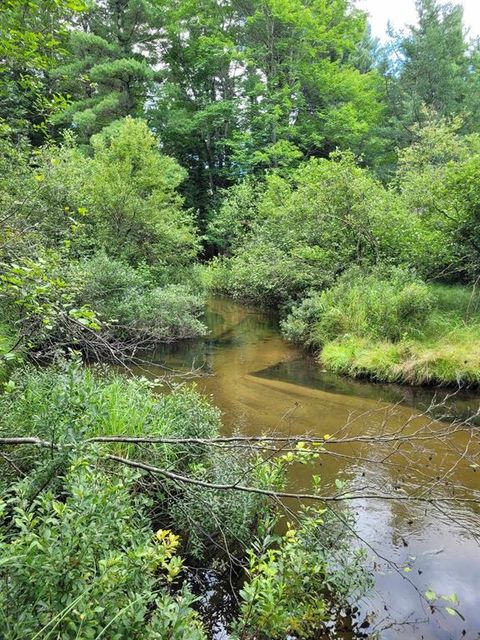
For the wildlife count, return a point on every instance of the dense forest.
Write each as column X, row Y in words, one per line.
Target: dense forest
column 156, row 152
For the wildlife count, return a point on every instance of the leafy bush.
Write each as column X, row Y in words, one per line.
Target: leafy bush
column 289, row 578
column 38, row 298
column 237, row 217
column 438, row 178
column 263, row 274
column 228, row 519
column 123, row 199
column 385, row 306
column 128, row 297
column 87, row 565
column 326, row 215
column 68, row 403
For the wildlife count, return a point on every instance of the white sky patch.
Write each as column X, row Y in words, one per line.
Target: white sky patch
column 402, row 12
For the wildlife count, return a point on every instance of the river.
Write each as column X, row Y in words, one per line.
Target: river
column 261, row 383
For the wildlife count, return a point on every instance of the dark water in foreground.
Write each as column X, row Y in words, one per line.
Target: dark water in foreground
column 262, row 383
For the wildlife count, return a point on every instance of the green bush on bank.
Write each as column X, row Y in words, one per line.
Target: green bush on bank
column 305, row 229
column 86, row 564
column 392, row 327
column 67, row 403
column 365, row 304
column 281, row 595
column 133, row 305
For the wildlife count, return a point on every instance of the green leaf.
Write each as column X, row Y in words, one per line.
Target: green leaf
column 452, row 597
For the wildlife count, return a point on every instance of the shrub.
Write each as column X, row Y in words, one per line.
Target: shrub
column 388, row 306
column 224, row 521
column 68, row 403
column 237, row 217
column 289, row 579
column 88, row 565
column 438, row 178
column 328, row 214
column 138, row 309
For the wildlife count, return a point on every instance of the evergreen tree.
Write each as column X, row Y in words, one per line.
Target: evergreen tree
column 431, row 69
column 110, row 66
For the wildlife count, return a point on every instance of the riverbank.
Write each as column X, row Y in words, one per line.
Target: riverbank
column 405, row 332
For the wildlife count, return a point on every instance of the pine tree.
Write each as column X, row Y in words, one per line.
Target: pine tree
column 431, row 69
column 111, row 64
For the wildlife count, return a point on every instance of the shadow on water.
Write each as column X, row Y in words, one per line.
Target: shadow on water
column 261, row 383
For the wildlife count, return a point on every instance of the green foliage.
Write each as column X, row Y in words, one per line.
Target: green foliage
column 235, row 101
column 124, row 199
column 451, row 359
column 88, row 564
column 432, row 64
column 131, row 194
column 133, row 306
column 107, row 69
column 288, row 579
column 226, row 519
column 235, row 221
column 40, row 303
column 67, row 403
column 326, row 216
column 392, row 327
column 388, row 306
column 31, row 38
column 438, row 178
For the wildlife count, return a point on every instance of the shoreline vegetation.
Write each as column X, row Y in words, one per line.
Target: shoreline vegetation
column 378, row 279
column 437, row 345
column 272, row 150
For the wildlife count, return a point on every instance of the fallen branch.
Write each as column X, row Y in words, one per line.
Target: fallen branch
column 277, row 494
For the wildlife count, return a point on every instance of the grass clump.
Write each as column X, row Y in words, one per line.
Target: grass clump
column 68, row 403
column 392, row 327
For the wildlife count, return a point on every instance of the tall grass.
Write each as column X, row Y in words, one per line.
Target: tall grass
column 69, row 403
column 393, row 329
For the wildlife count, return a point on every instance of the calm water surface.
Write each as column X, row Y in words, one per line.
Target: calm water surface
column 262, row 383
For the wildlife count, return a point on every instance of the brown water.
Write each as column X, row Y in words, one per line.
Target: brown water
column 262, row 383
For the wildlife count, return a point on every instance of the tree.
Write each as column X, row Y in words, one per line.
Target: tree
column 253, row 85
column 432, row 66
column 110, row 64
column 31, row 38
column 438, row 177
column 196, row 104
column 302, row 84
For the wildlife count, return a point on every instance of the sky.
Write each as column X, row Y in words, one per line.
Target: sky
column 402, row 12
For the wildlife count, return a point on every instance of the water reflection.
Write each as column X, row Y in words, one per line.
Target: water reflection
column 262, row 383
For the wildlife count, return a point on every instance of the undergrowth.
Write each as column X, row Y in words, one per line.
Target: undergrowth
column 395, row 329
